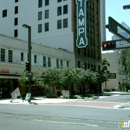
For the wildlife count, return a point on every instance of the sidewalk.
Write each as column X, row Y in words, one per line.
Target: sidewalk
column 37, row 101
column 44, row 100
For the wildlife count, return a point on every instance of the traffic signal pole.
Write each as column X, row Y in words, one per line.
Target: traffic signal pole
column 29, row 59
column 29, row 74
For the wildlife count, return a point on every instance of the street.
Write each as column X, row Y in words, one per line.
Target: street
column 117, row 98
column 53, row 117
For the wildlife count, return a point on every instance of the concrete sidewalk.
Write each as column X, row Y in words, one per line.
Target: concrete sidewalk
column 37, row 101
column 44, row 100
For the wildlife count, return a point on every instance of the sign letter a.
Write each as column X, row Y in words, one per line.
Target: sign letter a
column 81, row 42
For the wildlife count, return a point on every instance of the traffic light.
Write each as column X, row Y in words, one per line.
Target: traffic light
column 27, row 66
column 108, row 45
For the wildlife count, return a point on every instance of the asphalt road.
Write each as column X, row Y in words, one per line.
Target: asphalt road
column 53, row 117
column 119, row 98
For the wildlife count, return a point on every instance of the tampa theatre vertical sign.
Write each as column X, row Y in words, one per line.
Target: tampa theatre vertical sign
column 82, row 40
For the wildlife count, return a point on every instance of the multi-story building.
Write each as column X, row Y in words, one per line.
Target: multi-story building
column 54, row 23
column 72, row 25
column 13, row 53
column 115, row 60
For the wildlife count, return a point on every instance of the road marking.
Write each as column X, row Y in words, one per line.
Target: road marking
column 64, row 122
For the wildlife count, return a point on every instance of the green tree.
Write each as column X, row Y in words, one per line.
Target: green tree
column 105, row 65
column 68, row 76
column 125, row 58
column 51, row 76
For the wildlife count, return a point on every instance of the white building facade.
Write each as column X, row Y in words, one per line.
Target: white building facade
column 50, row 20
column 13, row 53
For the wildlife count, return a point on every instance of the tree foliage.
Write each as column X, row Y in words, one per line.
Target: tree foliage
column 105, row 64
column 125, row 58
column 63, row 76
column 125, row 83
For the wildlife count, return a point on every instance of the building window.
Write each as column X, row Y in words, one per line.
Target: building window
column 44, row 61
column 59, row 24
column 2, row 54
column 16, row 33
column 39, row 28
column 49, row 62
column 46, row 14
column 59, row 0
column 99, row 68
column 61, row 63
column 57, row 63
column 16, row 1
column 16, row 10
column 39, row 3
column 46, row 27
column 84, row 52
column 65, row 23
column 78, row 64
column 35, row 59
column 59, row 11
column 10, row 55
column 4, row 14
column 65, row 9
column 46, row 2
column 40, row 15
column 78, row 51
column 16, row 21
column 67, row 63
column 22, row 56
column 88, row 66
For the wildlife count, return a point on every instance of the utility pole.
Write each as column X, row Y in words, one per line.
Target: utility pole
column 29, row 59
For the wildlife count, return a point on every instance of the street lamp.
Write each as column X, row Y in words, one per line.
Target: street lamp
column 29, row 58
column 126, row 7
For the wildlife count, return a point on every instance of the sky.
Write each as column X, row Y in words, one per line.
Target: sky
column 114, row 8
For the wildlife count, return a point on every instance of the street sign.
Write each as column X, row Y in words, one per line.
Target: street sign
column 28, row 96
column 29, row 74
column 116, row 28
column 81, row 41
column 122, row 44
column 115, row 44
column 111, row 75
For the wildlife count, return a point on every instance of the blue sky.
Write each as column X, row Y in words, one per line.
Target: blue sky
column 114, row 8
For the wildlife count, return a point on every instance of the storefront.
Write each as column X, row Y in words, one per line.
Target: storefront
column 8, row 82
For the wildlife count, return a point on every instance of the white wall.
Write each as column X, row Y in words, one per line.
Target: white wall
column 28, row 14
column 18, row 46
